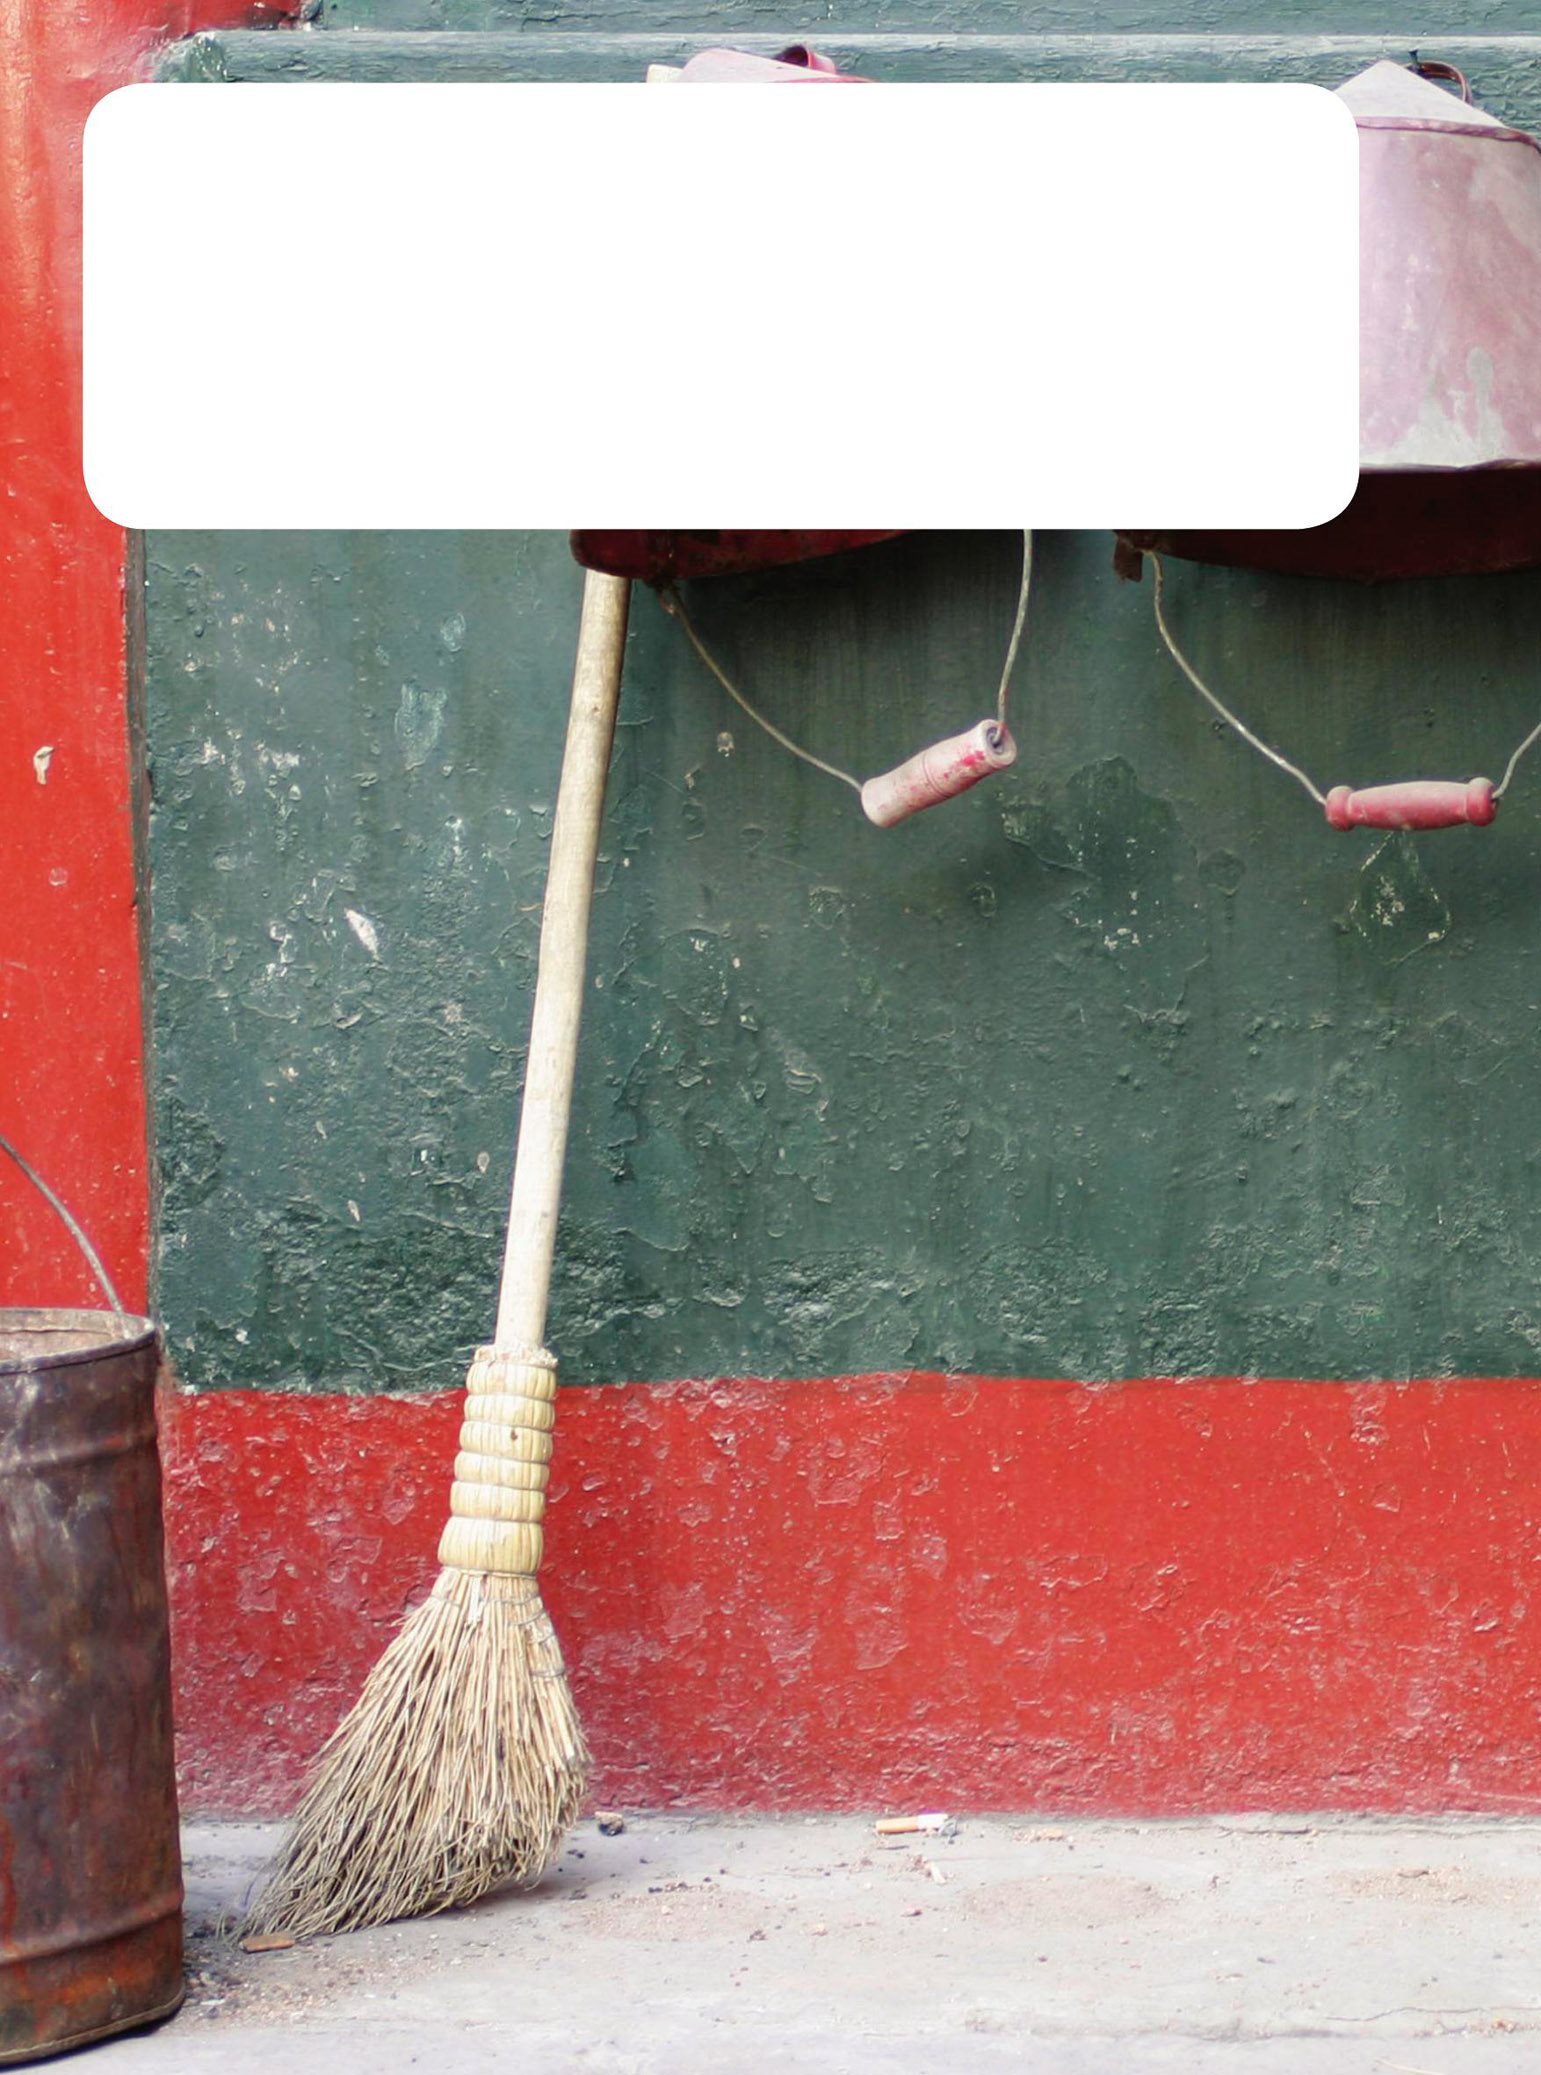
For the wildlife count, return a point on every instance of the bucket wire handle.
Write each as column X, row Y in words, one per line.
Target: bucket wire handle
column 1436, row 68
column 93, row 1258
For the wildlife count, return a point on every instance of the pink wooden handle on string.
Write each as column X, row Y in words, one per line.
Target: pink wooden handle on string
column 1419, row 803
column 938, row 773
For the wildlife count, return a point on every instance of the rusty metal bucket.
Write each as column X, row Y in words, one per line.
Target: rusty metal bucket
column 1449, row 344
column 90, row 1867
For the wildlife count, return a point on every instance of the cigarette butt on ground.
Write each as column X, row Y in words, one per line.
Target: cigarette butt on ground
column 907, row 1826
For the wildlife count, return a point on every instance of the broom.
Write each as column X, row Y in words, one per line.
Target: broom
column 463, row 1763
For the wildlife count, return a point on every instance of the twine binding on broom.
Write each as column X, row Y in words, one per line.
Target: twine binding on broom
column 462, row 1764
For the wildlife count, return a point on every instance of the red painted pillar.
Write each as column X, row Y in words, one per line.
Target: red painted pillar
column 72, row 1088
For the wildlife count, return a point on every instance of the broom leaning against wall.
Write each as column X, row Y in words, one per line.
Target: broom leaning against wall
column 463, row 1763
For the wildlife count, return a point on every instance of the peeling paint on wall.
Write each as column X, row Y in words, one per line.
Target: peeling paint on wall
column 1122, row 1064
column 860, row 1592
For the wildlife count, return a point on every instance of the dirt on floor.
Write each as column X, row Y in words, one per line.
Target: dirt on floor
column 717, row 1943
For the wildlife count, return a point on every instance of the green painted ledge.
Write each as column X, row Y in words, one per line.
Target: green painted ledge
column 1504, row 69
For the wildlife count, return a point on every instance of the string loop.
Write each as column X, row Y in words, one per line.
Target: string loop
column 1266, row 749
column 1263, row 748
column 673, row 603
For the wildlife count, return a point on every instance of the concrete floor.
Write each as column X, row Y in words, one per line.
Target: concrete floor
column 1260, row 1945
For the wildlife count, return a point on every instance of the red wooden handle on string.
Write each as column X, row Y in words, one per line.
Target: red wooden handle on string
column 940, row 772
column 1419, row 803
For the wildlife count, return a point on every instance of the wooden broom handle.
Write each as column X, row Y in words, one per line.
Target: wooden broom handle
column 559, row 980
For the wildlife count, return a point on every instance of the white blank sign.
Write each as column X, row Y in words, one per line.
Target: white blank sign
column 632, row 306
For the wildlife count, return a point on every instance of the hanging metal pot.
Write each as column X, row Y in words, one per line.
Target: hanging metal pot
column 1450, row 349
column 678, row 557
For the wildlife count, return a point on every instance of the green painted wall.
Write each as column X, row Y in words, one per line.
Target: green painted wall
column 1122, row 1064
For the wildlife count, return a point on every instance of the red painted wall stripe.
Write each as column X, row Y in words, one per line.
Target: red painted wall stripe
column 71, row 1054
column 1153, row 1597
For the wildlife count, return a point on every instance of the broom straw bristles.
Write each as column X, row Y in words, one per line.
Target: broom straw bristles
column 460, row 1768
